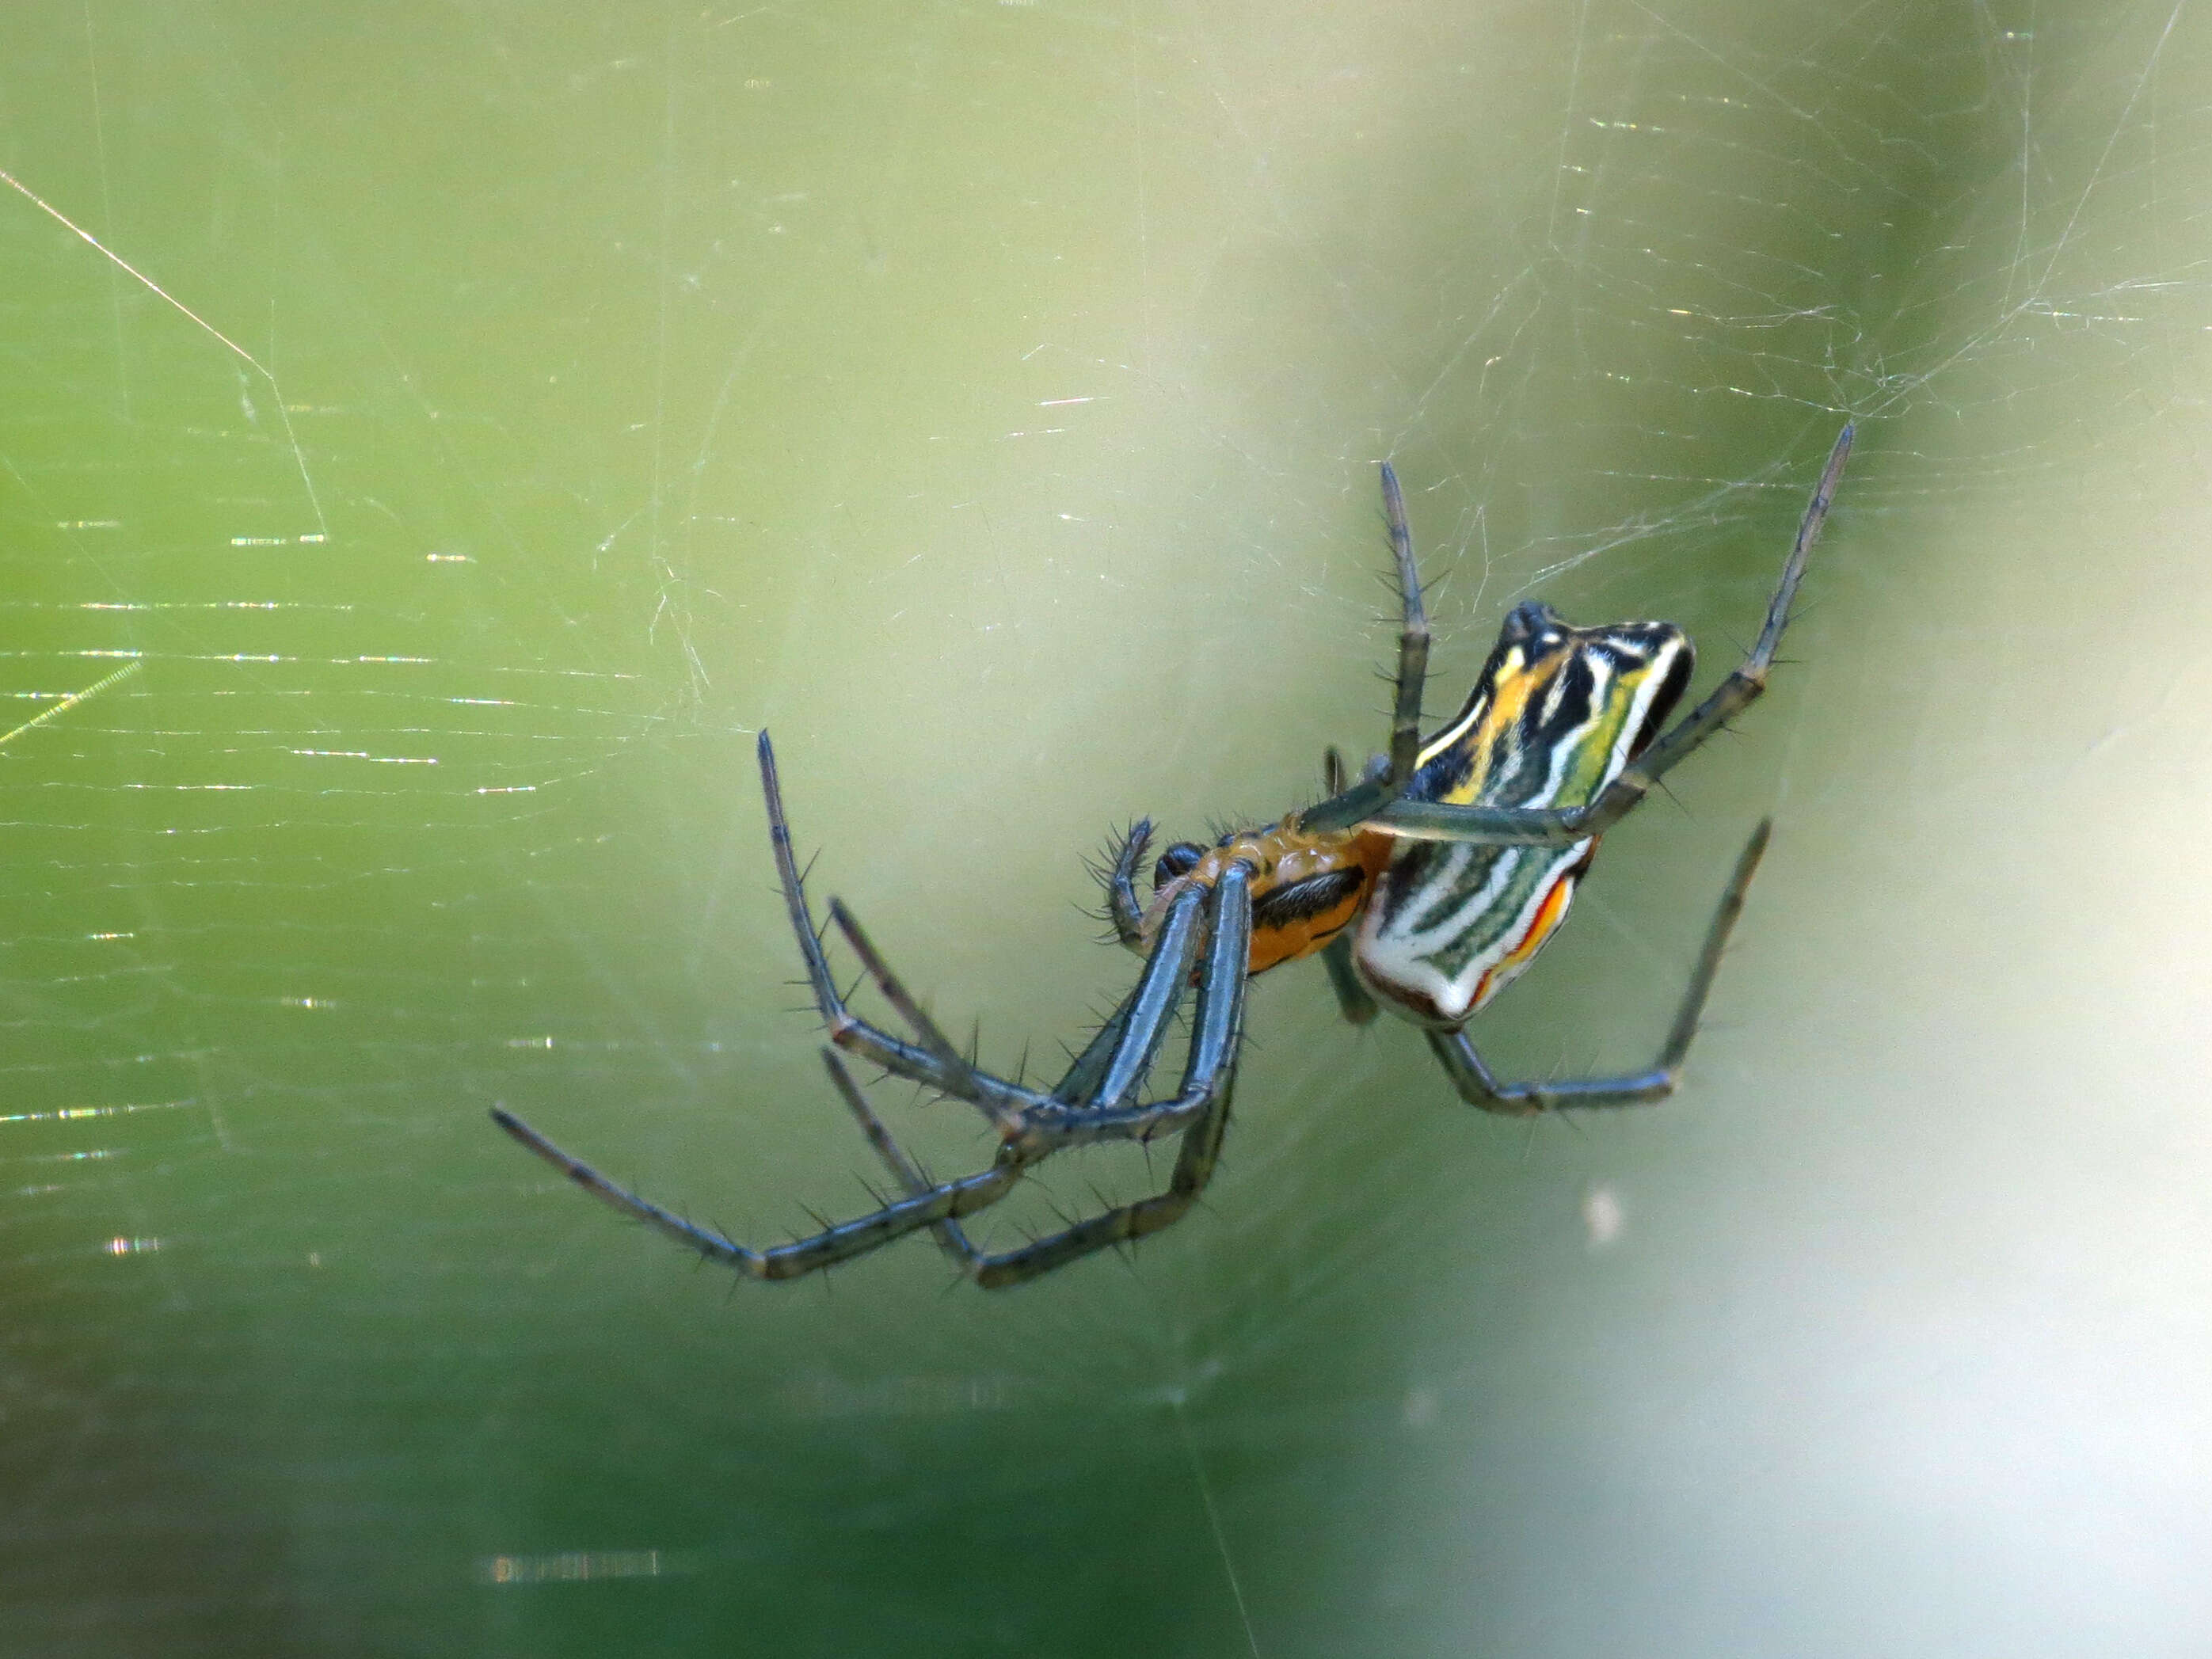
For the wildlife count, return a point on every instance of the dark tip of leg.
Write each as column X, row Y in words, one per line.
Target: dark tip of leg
column 517, row 1128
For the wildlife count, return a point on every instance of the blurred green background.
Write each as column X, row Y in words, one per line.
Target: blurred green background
column 477, row 420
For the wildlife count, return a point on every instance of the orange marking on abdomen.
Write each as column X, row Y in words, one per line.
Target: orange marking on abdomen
column 1551, row 911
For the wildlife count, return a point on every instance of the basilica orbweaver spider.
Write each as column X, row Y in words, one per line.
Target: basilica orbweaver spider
column 1428, row 885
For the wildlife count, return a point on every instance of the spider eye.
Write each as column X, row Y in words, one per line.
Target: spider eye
column 1179, row 859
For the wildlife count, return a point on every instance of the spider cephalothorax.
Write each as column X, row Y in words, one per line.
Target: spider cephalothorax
column 1431, row 883
column 1307, row 885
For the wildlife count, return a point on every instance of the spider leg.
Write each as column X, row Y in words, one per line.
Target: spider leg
column 1382, row 805
column 1080, row 1081
column 1123, row 909
column 1159, row 992
column 1346, row 808
column 933, row 1061
column 1421, row 820
column 1119, row 1067
column 943, row 1203
column 1109, row 1069
column 950, row 1235
column 1201, row 1107
column 1216, row 1032
column 1351, row 999
column 1194, row 1164
column 1479, row 1086
column 1033, row 1126
column 1412, row 639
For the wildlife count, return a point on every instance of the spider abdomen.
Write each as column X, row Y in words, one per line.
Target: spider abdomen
column 1556, row 716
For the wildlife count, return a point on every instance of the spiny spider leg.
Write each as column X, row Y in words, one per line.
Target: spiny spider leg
column 1089, row 1105
column 1200, row 1109
column 1123, row 908
column 1479, row 1087
column 1038, row 1122
column 1412, row 639
column 1216, row 1030
column 1049, row 1122
column 1159, row 992
column 1206, row 1076
column 950, row 1234
column 1195, row 1165
column 1352, row 1000
column 1383, row 805
column 841, row 1243
column 1209, row 1080
column 934, row 1062
column 933, row 1206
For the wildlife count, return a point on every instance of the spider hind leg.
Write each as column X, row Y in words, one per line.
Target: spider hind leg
column 1479, row 1086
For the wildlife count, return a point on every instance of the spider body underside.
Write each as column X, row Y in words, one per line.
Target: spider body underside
column 1426, row 887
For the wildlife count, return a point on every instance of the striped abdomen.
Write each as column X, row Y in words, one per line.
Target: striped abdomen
column 1556, row 714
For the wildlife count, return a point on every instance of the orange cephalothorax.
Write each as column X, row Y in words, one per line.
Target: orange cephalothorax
column 1307, row 885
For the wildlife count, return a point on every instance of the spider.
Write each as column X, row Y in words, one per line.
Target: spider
column 1428, row 885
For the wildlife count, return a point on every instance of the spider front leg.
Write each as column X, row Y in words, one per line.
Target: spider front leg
column 1038, row 1122
column 936, row 1206
column 1093, row 1102
column 1479, row 1086
column 1200, row 1112
column 1202, row 1102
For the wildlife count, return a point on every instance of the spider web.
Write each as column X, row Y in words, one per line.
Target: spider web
column 442, row 437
